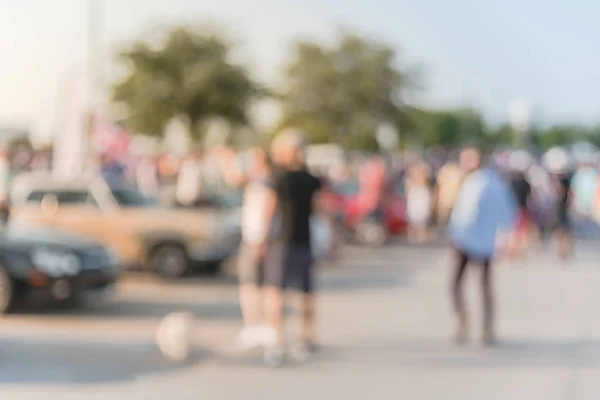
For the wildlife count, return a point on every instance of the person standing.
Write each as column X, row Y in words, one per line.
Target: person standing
column 481, row 220
column 419, row 202
column 372, row 181
column 584, row 186
column 257, row 209
column 562, row 186
column 290, row 258
column 524, row 194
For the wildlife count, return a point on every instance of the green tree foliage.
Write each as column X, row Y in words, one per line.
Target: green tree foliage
column 188, row 75
column 343, row 93
column 450, row 128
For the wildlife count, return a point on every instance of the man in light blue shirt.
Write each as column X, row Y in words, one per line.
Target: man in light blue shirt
column 482, row 218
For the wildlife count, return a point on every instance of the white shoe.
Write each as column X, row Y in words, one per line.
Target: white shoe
column 302, row 352
column 274, row 357
column 268, row 336
column 249, row 338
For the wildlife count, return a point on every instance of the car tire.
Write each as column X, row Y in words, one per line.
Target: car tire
column 7, row 292
column 372, row 233
column 170, row 260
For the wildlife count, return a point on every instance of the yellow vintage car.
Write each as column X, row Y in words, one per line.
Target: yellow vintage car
column 144, row 235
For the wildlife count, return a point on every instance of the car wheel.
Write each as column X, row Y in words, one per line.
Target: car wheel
column 170, row 260
column 371, row 233
column 7, row 294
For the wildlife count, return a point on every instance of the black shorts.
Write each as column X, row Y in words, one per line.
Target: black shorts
column 289, row 267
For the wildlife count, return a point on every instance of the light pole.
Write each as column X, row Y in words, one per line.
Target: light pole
column 95, row 24
column 519, row 115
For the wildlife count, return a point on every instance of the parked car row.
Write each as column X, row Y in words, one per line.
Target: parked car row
column 70, row 237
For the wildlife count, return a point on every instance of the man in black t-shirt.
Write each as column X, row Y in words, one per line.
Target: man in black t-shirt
column 290, row 257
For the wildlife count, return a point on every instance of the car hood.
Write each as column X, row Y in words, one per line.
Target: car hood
column 20, row 236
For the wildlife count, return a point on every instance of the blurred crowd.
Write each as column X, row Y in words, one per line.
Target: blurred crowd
column 294, row 213
column 549, row 190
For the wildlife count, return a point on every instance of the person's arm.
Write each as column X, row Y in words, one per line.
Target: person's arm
column 270, row 211
column 322, row 207
column 271, row 203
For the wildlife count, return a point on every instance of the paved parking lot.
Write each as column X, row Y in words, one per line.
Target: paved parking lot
column 384, row 329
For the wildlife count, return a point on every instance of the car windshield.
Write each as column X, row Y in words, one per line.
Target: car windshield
column 129, row 196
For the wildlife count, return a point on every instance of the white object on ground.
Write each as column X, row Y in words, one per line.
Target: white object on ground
column 173, row 336
column 250, row 338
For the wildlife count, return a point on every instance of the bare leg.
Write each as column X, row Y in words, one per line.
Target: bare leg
column 250, row 302
column 410, row 233
column 564, row 244
column 274, row 304
column 307, row 318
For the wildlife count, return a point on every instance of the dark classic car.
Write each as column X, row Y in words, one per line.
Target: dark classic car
column 54, row 262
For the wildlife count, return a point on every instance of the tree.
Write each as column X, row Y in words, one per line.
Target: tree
column 344, row 93
column 450, row 128
column 189, row 75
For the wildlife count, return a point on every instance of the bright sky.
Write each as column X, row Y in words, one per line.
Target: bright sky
column 481, row 53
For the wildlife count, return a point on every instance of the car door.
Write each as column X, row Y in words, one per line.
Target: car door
column 79, row 212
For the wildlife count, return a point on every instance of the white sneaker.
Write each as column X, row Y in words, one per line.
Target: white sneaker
column 274, row 357
column 249, row 338
column 302, row 352
column 267, row 336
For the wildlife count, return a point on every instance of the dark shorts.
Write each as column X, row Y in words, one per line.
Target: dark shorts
column 289, row 267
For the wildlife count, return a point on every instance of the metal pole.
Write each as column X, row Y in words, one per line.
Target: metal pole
column 95, row 22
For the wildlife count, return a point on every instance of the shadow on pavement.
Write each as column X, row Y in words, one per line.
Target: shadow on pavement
column 444, row 354
column 65, row 363
column 354, row 283
column 144, row 308
column 130, row 308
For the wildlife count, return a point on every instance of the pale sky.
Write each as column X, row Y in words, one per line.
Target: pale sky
column 483, row 53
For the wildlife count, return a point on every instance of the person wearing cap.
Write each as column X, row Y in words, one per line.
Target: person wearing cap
column 479, row 227
column 290, row 258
